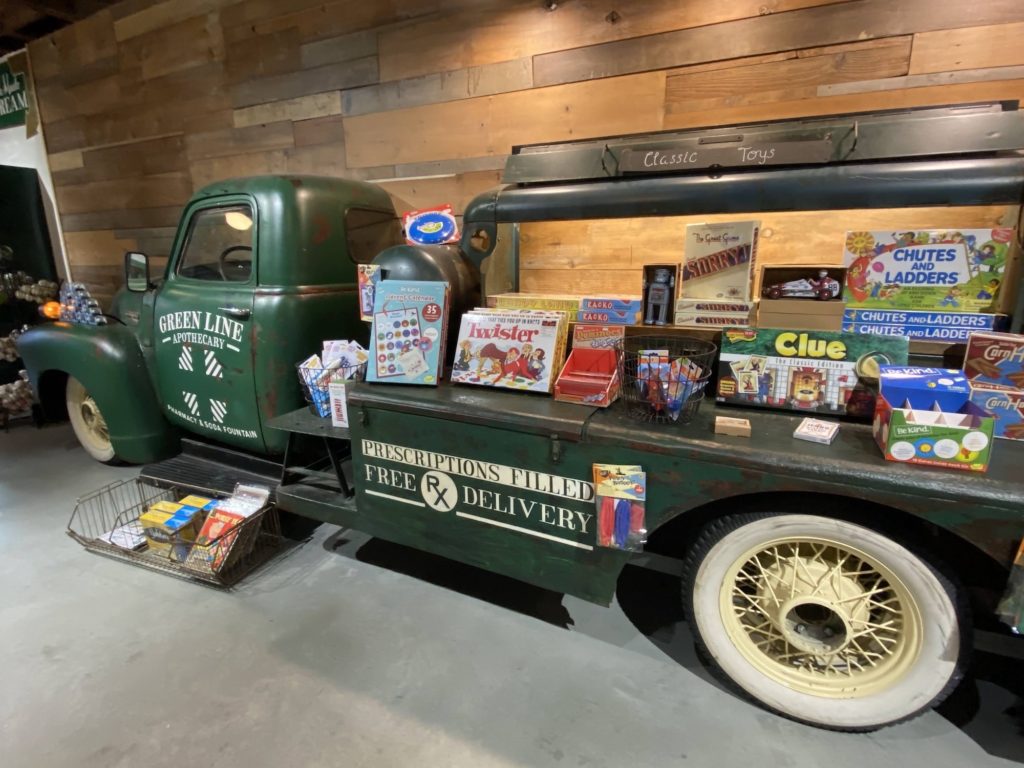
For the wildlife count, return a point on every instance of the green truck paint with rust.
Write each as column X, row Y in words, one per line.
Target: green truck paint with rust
column 206, row 354
column 502, row 480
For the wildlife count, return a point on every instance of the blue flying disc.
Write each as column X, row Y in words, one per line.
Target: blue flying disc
column 431, row 228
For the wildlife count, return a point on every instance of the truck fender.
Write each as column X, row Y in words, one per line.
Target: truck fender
column 109, row 362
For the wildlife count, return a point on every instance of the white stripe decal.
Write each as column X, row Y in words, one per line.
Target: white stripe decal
column 232, row 347
column 396, row 498
column 192, row 402
column 538, row 534
column 185, row 358
column 213, row 368
column 219, row 409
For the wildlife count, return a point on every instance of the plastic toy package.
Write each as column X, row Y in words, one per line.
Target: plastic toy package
column 666, row 383
column 620, row 496
column 431, row 226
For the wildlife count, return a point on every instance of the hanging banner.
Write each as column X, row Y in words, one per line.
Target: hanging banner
column 14, row 99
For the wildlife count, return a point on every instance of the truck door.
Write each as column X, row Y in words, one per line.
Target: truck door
column 203, row 328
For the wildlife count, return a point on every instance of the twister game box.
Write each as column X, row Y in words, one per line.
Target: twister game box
column 514, row 349
column 930, row 269
column 805, row 371
column 410, row 319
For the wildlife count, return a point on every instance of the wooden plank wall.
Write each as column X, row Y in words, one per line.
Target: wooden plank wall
column 146, row 101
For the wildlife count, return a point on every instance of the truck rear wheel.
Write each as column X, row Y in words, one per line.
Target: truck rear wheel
column 88, row 423
column 825, row 621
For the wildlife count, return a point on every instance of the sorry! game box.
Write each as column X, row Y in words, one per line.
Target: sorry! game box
column 929, row 269
column 515, row 349
column 806, row 371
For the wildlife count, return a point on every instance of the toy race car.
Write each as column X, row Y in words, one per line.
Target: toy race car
column 824, row 288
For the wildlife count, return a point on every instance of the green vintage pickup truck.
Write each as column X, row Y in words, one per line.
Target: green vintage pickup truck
column 827, row 584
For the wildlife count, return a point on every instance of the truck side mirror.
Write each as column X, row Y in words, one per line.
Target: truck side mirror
column 136, row 271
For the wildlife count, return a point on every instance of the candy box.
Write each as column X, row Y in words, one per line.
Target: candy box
column 924, row 388
column 961, row 439
column 996, row 360
column 1006, row 406
column 171, row 528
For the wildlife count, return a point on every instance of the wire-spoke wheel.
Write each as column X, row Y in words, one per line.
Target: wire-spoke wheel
column 823, row 620
column 88, row 423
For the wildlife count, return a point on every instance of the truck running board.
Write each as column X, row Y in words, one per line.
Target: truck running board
column 212, row 469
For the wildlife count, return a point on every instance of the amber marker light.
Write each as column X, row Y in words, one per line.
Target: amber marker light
column 50, row 310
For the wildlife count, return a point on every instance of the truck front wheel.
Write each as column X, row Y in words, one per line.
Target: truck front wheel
column 88, row 423
column 825, row 621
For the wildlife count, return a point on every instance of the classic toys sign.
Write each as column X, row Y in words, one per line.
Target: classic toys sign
column 958, row 271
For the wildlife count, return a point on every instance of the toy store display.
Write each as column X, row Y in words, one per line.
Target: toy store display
column 923, row 325
column 340, row 361
column 946, row 270
column 664, row 378
column 730, row 425
column 994, row 364
column 590, row 375
column 431, row 226
column 713, row 314
column 659, row 294
column 720, row 261
column 369, row 276
column 519, row 349
column 816, row 431
column 620, row 494
column 925, row 416
column 805, row 371
column 410, row 325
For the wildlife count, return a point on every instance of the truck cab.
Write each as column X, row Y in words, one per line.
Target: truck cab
column 261, row 271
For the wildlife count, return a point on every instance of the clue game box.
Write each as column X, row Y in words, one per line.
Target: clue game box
column 931, row 269
column 805, row 371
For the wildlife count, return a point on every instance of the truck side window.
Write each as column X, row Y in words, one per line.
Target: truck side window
column 219, row 245
column 369, row 232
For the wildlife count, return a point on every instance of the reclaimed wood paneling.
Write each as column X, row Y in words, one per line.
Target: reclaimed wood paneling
column 330, row 77
column 994, row 45
column 457, row 190
column 174, row 48
column 492, row 124
column 523, row 28
column 238, row 141
column 827, row 25
column 320, row 130
column 165, row 189
column 98, row 248
column 301, row 108
column 335, row 50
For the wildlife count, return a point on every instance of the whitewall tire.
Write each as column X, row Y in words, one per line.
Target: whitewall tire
column 823, row 620
column 88, row 423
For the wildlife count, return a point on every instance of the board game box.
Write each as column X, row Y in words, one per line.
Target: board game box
column 947, row 270
column 410, row 321
column 513, row 349
column 805, row 371
column 720, row 260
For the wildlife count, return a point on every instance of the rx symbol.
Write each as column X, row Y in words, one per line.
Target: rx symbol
column 439, row 491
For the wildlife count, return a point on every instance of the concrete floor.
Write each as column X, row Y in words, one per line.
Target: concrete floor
column 350, row 652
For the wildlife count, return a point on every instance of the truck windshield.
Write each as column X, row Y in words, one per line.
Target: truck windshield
column 219, row 245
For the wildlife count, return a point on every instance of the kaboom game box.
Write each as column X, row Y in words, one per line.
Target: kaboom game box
column 950, row 270
column 805, row 371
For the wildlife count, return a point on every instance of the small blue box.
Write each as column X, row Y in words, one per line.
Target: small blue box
column 919, row 332
column 924, row 388
column 598, row 304
column 905, row 317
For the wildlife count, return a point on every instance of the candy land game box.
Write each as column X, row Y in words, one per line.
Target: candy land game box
column 514, row 349
column 930, row 269
column 410, row 320
column 805, row 371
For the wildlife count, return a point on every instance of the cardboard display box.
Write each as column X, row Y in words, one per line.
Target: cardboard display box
column 720, row 261
column 802, row 314
column 704, row 313
column 995, row 360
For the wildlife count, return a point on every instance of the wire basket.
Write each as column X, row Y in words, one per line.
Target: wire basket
column 316, row 384
column 107, row 522
column 664, row 377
